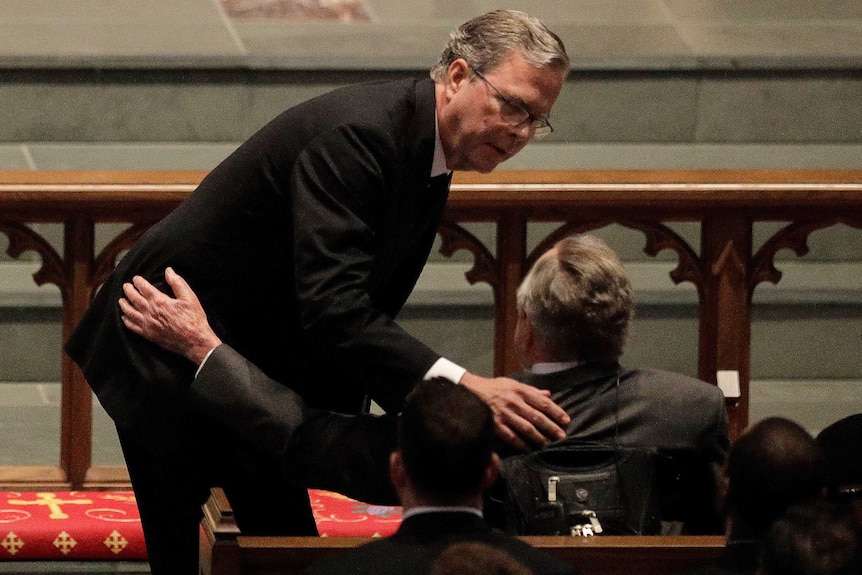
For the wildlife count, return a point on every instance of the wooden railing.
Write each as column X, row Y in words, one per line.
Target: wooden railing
column 724, row 268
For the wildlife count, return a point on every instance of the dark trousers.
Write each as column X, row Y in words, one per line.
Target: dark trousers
column 173, row 463
column 348, row 454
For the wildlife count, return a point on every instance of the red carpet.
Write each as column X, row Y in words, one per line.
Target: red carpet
column 72, row 525
column 94, row 525
column 337, row 515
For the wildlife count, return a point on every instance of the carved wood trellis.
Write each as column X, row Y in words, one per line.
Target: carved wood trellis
column 726, row 204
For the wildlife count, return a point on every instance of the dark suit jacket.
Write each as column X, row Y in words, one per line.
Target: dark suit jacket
column 420, row 538
column 679, row 416
column 321, row 449
column 302, row 246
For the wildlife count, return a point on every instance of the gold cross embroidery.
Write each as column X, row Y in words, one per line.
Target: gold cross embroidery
column 12, row 543
column 64, row 542
column 116, row 542
column 51, row 501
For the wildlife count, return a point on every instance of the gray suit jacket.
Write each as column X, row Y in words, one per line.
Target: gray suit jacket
column 680, row 416
column 348, row 454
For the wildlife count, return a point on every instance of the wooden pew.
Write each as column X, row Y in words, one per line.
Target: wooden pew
column 225, row 551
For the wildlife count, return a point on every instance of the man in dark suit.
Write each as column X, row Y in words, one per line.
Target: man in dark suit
column 574, row 313
column 443, row 462
column 303, row 245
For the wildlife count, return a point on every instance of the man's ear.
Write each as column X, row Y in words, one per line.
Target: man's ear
column 457, row 75
column 492, row 471
column 397, row 473
column 721, row 492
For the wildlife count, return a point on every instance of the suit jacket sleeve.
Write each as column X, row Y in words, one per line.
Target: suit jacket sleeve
column 232, row 391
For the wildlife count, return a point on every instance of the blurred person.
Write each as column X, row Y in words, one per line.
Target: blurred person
column 772, row 465
column 841, row 442
column 476, row 559
column 813, row 538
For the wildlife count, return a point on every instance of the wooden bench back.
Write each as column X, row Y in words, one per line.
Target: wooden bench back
column 225, row 551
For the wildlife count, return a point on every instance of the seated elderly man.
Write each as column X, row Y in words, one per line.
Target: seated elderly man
column 574, row 312
column 575, row 307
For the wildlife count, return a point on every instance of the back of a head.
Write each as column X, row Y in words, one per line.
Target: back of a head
column 775, row 463
column 475, row 558
column 484, row 41
column 446, row 439
column 841, row 442
column 579, row 299
column 814, row 538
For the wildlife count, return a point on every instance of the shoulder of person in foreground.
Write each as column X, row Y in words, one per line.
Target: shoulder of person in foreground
column 394, row 557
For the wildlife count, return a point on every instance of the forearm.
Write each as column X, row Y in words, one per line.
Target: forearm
column 233, row 392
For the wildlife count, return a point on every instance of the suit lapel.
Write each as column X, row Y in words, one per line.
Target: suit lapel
column 423, row 197
column 418, row 205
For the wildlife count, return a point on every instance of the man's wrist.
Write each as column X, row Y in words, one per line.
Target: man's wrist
column 447, row 370
column 205, row 358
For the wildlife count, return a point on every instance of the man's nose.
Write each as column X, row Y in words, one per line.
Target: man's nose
column 522, row 131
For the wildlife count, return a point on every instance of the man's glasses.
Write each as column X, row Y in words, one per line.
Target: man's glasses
column 515, row 114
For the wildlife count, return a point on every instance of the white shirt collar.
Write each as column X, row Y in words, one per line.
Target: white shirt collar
column 438, row 165
column 552, row 366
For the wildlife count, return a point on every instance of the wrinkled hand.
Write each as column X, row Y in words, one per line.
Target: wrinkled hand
column 525, row 416
column 177, row 324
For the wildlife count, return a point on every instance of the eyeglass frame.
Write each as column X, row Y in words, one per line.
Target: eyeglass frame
column 541, row 127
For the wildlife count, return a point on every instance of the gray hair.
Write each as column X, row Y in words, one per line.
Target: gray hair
column 486, row 40
column 579, row 300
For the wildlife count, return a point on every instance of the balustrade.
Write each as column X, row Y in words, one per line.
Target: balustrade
column 725, row 267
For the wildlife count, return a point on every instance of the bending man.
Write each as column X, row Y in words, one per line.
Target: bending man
column 303, row 246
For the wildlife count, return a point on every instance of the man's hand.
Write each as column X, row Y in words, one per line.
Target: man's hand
column 177, row 324
column 525, row 416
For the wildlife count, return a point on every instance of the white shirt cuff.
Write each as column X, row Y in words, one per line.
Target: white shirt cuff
column 204, row 360
column 445, row 369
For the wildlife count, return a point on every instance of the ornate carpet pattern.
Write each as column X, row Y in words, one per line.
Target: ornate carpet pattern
column 71, row 525
column 337, row 515
column 96, row 525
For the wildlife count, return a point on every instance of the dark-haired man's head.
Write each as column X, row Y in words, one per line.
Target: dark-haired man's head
column 773, row 464
column 445, row 453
